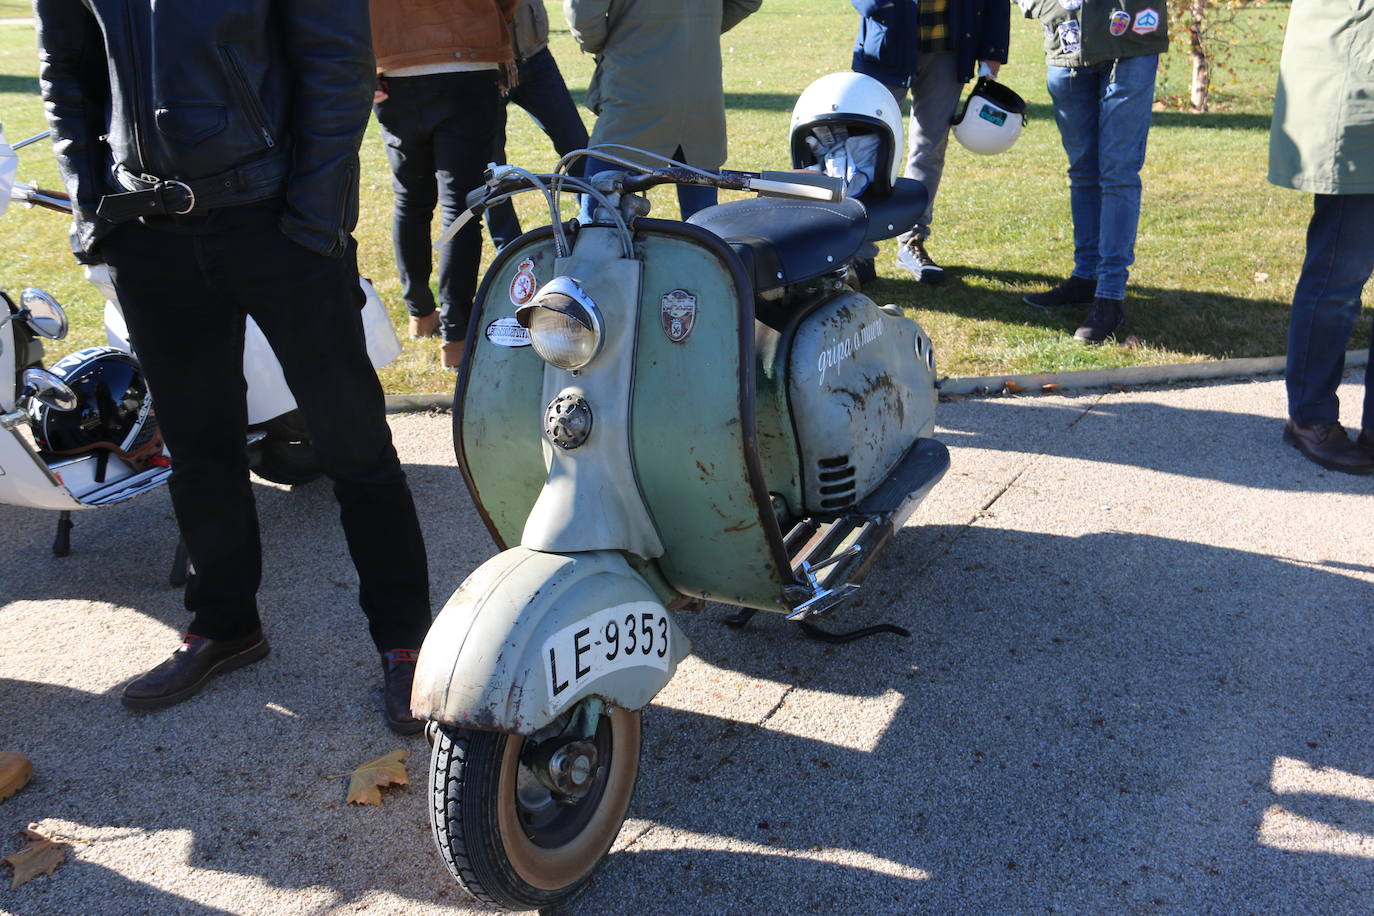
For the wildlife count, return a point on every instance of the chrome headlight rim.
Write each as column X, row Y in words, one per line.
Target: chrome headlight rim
column 564, row 296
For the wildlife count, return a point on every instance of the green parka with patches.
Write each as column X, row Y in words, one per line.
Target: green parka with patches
column 1079, row 33
column 1322, row 138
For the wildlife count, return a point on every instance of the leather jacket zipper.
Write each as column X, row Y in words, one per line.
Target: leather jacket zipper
column 136, row 93
column 247, row 96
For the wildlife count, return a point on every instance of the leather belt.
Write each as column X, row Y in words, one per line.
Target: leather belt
column 153, row 196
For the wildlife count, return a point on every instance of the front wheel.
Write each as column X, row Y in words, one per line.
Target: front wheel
column 522, row 823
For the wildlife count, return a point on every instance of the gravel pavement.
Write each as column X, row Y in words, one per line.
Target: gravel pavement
column 1140, row 680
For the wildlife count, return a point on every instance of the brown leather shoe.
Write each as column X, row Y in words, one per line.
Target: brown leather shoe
column 398, row 674
column 424, row 326
column 1328, row 445
column 190, row 668
column 452, row 354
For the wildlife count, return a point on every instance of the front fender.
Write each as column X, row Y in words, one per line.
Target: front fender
column 526, row 636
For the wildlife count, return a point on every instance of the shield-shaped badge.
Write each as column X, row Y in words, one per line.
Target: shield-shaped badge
column 678, row 312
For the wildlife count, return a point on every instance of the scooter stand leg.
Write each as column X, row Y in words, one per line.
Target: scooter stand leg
column 815, row 632
column 62, row 544
column 739, row 620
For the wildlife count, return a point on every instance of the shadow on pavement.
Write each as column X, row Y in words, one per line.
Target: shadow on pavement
column 1241, row 449
column 1100, row 741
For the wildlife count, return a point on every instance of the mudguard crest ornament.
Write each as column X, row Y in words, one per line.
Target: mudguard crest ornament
column 678, row 312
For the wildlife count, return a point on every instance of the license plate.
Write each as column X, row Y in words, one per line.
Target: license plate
column 626, row 636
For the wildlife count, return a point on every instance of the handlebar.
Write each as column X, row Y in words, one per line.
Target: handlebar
column 58, row 201
column 796, row 185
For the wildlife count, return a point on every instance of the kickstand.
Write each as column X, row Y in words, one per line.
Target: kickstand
column 815, row 632
column 741, row 619
column 62, row 544
column 738, row 621
column 177, row 577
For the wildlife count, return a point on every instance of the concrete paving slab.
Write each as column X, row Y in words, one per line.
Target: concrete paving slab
column 1159, row 701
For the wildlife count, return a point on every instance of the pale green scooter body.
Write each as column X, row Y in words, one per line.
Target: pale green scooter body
column 699, row 471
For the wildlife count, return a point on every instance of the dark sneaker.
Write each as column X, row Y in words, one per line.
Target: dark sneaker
column 912, row 257
column 1328, row 445
column 190, row 668
column 1102, row 321
column 398, row 675
column 1075, row 291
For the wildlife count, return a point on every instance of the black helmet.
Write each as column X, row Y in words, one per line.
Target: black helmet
column 113, row 408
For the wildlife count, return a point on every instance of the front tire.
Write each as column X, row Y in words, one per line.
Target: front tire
column 508, row 839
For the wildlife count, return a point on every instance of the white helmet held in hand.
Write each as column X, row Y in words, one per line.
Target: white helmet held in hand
column 853, row 109
column 991, row 119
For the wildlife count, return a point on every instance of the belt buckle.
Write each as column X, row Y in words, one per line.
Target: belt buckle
column 191, row 205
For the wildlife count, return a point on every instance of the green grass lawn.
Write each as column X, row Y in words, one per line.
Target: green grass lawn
column 1218, row 253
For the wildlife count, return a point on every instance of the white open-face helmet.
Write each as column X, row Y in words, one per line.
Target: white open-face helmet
column 860, row 105
column 991, row 119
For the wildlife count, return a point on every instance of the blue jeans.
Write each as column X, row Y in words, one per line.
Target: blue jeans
column 1103, row 113
column 544, row 95
column 691, row 198
column 1340, row 259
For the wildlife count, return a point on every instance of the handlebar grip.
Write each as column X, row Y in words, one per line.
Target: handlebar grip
column 800, row 185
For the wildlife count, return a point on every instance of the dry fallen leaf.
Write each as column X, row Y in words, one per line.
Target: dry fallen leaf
column 15, row 771
column 1261, row 276
column 40, row 856
column 1132, row 342
column 365, row 784
column 1010, row 387
column 1046, row 389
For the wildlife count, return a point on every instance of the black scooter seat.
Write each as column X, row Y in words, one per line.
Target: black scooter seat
column 782, row 241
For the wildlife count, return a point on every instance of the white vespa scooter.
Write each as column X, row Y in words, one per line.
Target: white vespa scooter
column 33, row 473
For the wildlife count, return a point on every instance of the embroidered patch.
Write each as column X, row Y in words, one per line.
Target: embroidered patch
column 1071, row 5
column 1070, row 36
column 1119, row 23
column 1146, row 21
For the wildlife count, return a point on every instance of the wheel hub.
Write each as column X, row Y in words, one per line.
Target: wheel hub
column 572, row 768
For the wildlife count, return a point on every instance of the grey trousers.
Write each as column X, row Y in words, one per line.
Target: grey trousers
column 934, row 99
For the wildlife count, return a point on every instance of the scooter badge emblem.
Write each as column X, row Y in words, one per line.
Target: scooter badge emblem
column 523, row 286
column 678, row 312
column 1146, row 21
column 1119, row 23
column 507, row 332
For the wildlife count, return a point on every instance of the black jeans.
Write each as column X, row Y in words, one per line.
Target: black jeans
column 544, row 95
column 439, row 131
column 185, row 285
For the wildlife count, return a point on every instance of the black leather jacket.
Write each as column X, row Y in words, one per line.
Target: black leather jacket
column 274, row 94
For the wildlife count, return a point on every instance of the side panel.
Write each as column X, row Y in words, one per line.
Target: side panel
column 692, row 423
column 862, row 385
column 499, row 408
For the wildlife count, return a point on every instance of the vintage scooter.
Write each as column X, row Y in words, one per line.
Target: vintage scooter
column 652, row 414
column 104, row 387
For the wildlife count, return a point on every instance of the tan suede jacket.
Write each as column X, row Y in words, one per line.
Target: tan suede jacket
column 410, row 33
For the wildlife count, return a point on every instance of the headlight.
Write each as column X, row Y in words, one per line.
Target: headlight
column 564, row 324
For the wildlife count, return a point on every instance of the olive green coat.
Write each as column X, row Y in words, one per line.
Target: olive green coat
column 657, row 84
column 1322, row 139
